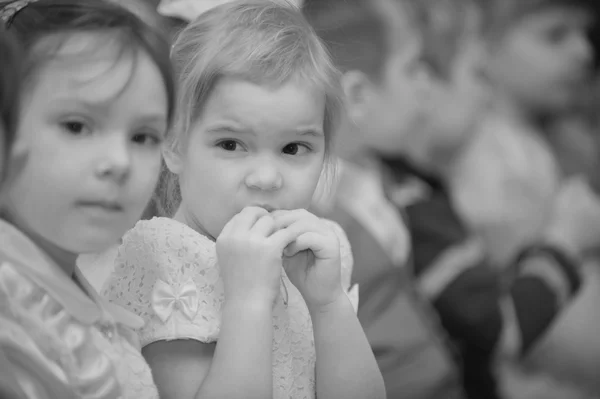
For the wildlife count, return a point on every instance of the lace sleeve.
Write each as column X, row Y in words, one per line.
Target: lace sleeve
column 347, row 262
column 167, row 274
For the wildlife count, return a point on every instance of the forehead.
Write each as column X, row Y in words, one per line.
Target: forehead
column 93, row 65
column 292, row 104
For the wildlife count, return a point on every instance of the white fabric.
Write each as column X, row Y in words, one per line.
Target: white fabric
column 155, row 265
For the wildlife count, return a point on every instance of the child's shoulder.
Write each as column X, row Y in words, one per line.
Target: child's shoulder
column 167, row 274
column 30, row 305
column 163, row 242
column 162, row 229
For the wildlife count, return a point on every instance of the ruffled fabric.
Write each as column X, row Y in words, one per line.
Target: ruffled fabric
column 75, row 358
column 63, row 342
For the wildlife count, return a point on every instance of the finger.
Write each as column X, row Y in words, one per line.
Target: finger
column 289, row 233
column 309, row 241
column 264, row 226
column 285, row 236
column 247, row 218
column 284, row 219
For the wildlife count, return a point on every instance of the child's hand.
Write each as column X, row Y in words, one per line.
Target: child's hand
column 575, row 221
column 250, row 250
column 312, row 259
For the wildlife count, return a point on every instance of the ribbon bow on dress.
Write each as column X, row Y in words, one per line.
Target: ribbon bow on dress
column 166, row 299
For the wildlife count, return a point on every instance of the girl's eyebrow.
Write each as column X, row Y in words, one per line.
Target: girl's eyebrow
column 229, row 126
column 152, row 118
column 224, row 127
column 312, row 131
column 147, row 116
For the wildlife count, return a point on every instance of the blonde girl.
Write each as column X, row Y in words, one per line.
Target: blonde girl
column 243, row 292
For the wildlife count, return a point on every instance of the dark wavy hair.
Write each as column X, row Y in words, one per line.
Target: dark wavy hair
column 360, row 34
column 10, row 68
column 44, row 18
column 500, row 15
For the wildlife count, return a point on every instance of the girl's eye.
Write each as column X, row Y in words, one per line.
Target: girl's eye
column 76, row 128
column 146, row 139
column 229, row 145
column 296, row 149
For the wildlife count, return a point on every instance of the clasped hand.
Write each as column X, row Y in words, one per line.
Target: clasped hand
column 255, row 244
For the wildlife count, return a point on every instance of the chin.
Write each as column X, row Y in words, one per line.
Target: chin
column 94, row 241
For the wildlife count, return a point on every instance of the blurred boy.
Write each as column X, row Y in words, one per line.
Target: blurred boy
column 487, row 313
column 379, row 53
column 484, row 312
column 539, row 59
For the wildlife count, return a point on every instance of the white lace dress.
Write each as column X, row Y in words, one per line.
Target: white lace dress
column 168, row 274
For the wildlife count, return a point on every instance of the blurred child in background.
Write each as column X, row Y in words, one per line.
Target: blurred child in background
column 385, row 50
column 97, row 267
column 538, row 63
column 484, row 312
column 96, row 101
column 9, row 101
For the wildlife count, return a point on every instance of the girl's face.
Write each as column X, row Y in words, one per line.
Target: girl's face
column 252, row 145
column 90, row 126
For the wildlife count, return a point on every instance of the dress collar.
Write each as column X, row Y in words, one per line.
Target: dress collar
column 83, row 302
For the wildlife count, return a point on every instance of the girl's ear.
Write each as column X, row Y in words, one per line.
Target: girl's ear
column 173, row 159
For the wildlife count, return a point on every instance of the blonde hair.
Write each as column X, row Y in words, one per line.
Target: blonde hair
column 265, row 42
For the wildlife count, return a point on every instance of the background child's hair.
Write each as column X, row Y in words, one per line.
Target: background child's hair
column 443, row 27
column 264, row 42
column 500, row 15
column 360, row 34
column 10, row 79
column 59, row 19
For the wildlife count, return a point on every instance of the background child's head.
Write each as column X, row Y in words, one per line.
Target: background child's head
column 10, row 68
column 258, row 106
column 377, row 49
column 539, row 53
column 456, row 94
column 97, row 100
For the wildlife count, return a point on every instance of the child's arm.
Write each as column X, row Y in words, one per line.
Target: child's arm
column 238, row 366
column 346, row 367
column 468, row 292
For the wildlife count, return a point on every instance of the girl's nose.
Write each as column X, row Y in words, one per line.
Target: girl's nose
column 265, row 176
